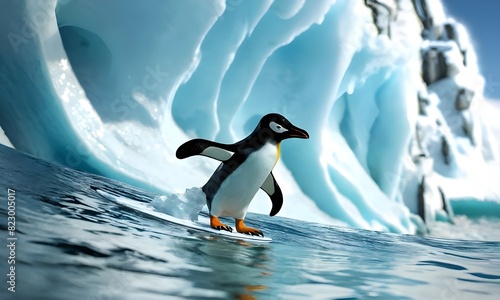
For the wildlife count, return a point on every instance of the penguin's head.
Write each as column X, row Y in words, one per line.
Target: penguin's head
column 280, row 128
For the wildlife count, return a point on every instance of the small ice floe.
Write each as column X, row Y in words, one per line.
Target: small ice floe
column 183, row 206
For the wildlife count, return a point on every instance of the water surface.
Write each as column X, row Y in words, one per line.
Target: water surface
column 75, row 244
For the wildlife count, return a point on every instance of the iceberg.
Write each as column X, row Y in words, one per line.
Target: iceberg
column 390, row 95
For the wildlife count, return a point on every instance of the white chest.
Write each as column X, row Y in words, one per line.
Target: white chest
column 237, row 191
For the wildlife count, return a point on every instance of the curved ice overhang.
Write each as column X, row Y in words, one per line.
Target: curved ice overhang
column 115, row 87
column 105, row 121
column 99, row 110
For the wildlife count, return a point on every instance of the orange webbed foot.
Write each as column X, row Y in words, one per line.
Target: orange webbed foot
column 241, row 228
column 215, row 223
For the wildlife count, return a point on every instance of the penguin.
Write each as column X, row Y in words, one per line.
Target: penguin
column 246, row 167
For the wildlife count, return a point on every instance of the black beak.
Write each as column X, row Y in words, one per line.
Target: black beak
column 296, row 132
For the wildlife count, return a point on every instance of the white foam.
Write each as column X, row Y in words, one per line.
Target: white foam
column 4, row 140
column 185, row 205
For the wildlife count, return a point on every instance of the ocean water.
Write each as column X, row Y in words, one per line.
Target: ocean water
column 74, row 244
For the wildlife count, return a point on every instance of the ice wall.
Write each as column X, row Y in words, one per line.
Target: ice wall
column 458, row 158
column 115, row 87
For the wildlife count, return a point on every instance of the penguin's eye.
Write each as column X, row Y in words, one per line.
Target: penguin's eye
column 277, row 127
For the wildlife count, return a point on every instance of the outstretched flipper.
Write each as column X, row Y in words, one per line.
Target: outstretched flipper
column 271, row 187
column 218, row 151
